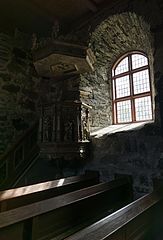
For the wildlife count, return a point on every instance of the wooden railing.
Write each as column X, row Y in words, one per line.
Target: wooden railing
column 17, row 197
column 58, row 217
column 18, row 157
column 140, row 220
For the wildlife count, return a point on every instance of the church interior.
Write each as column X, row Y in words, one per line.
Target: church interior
column 81, row 119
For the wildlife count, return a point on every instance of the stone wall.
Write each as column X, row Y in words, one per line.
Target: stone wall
column 131, row 25
column 19, row 86
column 136, row 153
column 115, row 30
column 113, row 38
column 96, row 88
column 146, row 14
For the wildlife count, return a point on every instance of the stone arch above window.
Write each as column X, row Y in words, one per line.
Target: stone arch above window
column 131, row 89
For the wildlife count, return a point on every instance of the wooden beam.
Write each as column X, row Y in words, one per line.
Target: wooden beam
column 105, row 7
column 91, row 5
column 35, row 7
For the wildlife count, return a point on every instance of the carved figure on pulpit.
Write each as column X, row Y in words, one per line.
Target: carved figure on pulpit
column 68, row 131
column 86, row 133
column 47, row 129
column 55, row 29
column 85, row 124
column 34, row 42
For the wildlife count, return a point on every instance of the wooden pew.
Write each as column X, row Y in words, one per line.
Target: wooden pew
column 140, row 220
column 58, row 217
column 21, row 196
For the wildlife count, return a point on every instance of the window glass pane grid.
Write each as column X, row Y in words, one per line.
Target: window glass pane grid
column 132, row 81
column 124, row 111
column 143, row 108
column 138, row 61
column 141, row 82
column 122, row 87
column 122, row 66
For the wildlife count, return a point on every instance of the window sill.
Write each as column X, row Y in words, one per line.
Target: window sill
column 118, row 128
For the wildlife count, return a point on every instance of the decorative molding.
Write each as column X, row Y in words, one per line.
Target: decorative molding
column 60, row 58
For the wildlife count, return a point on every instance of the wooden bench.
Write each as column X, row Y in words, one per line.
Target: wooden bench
column 58, row 217
column 140, row 220
column 21, row 196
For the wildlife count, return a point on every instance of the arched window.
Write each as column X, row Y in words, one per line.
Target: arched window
column 131, row 85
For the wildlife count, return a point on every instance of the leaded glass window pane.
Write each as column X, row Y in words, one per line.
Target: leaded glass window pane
column 138, row 61
column 122, row 86
column 143, row 108
column 141, row 82
column 122, row 66
column 124, row 111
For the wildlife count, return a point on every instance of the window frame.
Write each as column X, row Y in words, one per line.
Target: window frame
column 132, row 96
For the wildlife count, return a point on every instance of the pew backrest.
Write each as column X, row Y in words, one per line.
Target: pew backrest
column 49, row 218
column 21, row 196
column 140, row 220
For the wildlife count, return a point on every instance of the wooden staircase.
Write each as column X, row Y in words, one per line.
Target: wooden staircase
column 18, row 158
